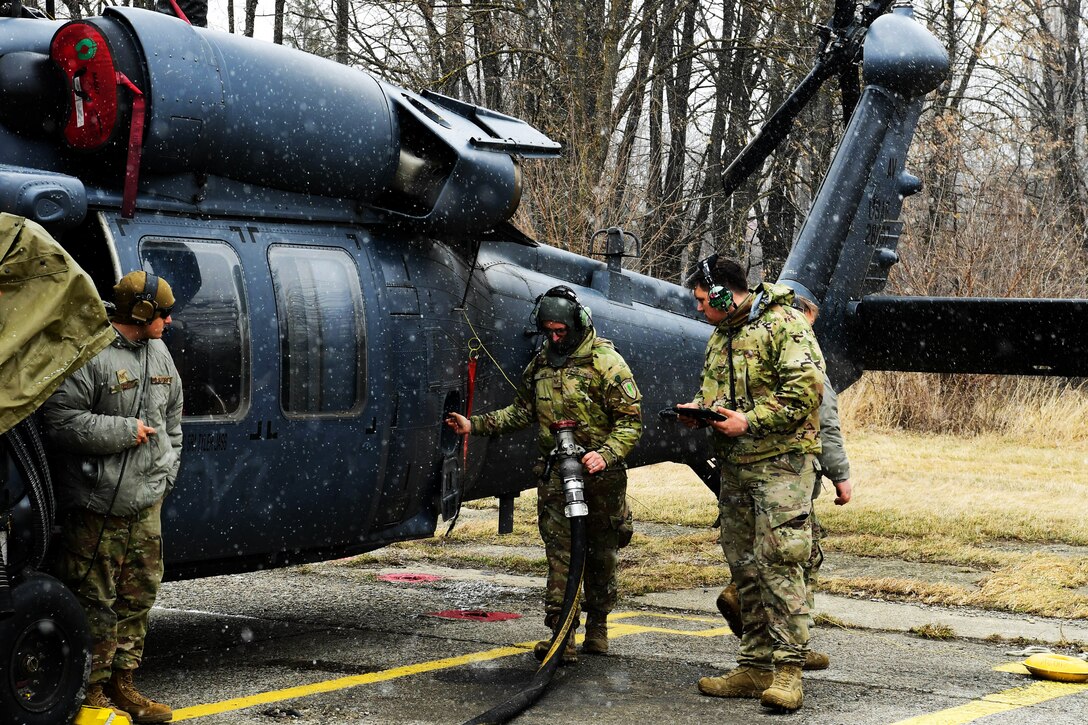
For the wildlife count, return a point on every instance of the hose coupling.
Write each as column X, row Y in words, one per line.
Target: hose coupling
column 567, row 457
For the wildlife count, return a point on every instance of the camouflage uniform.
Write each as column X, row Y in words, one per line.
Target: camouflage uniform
column 594, row 387
column 833, row 464
column 125, row 572
column 767, row 365
column 90, row 427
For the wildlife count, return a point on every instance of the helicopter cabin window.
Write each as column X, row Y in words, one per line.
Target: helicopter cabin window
column 322, row 352
column 209, row 335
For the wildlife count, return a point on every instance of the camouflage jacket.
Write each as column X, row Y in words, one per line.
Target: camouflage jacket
column 90, row 427
column 777, row 372
column 594, row 387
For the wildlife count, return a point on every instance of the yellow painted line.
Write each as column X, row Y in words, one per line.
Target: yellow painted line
column 621, row 630
column 998, row 702
column 614, row 616
column 239, row 703
column 1017, row 668
column 341, row 683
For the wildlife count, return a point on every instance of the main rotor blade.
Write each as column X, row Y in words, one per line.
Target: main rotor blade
column 850, row 86
column 841, row 47
column 776, row 128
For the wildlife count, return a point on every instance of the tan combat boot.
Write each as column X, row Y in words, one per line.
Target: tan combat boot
column 729, row 605
column 785, row 692
column 744, row 681
column 123, row 692
column 570, row 655
column 97, row 698
column 817, row 661
column 596, row 641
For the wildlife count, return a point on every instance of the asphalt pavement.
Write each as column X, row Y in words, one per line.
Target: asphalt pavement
column 343, row 643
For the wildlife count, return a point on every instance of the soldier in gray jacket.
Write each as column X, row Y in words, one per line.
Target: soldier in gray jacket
column 114, row 432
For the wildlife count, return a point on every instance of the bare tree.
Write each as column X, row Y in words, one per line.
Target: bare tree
column 251, row 18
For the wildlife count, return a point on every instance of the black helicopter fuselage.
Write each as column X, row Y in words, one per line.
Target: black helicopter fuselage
column 336, row 244
column 338, row 248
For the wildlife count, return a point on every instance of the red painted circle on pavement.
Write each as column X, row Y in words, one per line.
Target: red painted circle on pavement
column 408, row 578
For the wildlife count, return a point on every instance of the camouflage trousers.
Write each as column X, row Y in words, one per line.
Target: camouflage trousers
column 117, row 586
column 766, row 536
column 608, row 529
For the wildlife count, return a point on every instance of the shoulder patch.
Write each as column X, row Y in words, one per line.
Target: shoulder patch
column 629, row 388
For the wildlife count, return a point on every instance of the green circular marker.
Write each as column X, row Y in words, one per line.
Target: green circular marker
column 85, row 49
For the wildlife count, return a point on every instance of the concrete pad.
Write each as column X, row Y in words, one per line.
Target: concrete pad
column 900, row 617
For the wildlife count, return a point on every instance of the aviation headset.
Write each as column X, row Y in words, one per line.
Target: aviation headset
column 144, row 307
column 717, row 295
column 582, row 314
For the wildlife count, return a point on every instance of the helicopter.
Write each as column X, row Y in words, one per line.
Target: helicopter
column 341, row 253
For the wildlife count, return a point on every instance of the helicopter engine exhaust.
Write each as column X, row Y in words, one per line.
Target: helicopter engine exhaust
column 233, row 107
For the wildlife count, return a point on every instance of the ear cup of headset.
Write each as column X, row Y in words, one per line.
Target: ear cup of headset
column 719, row 297
column 142, row 311
column 144, row 306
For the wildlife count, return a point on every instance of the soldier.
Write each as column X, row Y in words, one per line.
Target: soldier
column 579, row 376
column 764, row 373
column 833, row 464
column 114, row 429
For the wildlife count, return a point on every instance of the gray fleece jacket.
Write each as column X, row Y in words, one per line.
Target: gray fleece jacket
column 90, row 429
column 832, row 457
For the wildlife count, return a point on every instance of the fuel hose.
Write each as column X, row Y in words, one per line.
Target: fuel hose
column 26, row 448
column 567, row 459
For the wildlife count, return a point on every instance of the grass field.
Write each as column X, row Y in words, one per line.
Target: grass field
column 1011, row 503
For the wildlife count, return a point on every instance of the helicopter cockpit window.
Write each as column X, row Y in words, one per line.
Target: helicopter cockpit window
column 209, row 336
column 322, row 351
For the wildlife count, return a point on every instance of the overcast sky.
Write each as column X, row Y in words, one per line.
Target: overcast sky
column 217, row 16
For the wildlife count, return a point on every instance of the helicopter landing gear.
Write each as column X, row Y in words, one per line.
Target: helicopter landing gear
column 45, row 654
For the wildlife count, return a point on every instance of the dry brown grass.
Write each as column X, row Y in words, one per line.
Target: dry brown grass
column 1041, row 411
column 1038, row 585
column 981, row 501
column 965, row 490
column 934, row 631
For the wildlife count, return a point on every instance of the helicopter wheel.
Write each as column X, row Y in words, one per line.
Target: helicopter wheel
column 45, row 654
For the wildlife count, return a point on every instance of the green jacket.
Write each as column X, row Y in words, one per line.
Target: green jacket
column 777, row 372
column 90, row 428
column 594, row 387
column 51, row 319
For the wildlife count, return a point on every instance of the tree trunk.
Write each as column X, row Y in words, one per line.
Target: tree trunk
column 343, row 54
column 277, row 31
column 674, row 237
column 489, row 45
column 251, row 17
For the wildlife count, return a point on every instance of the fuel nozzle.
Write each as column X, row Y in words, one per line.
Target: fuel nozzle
column 567, row 459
